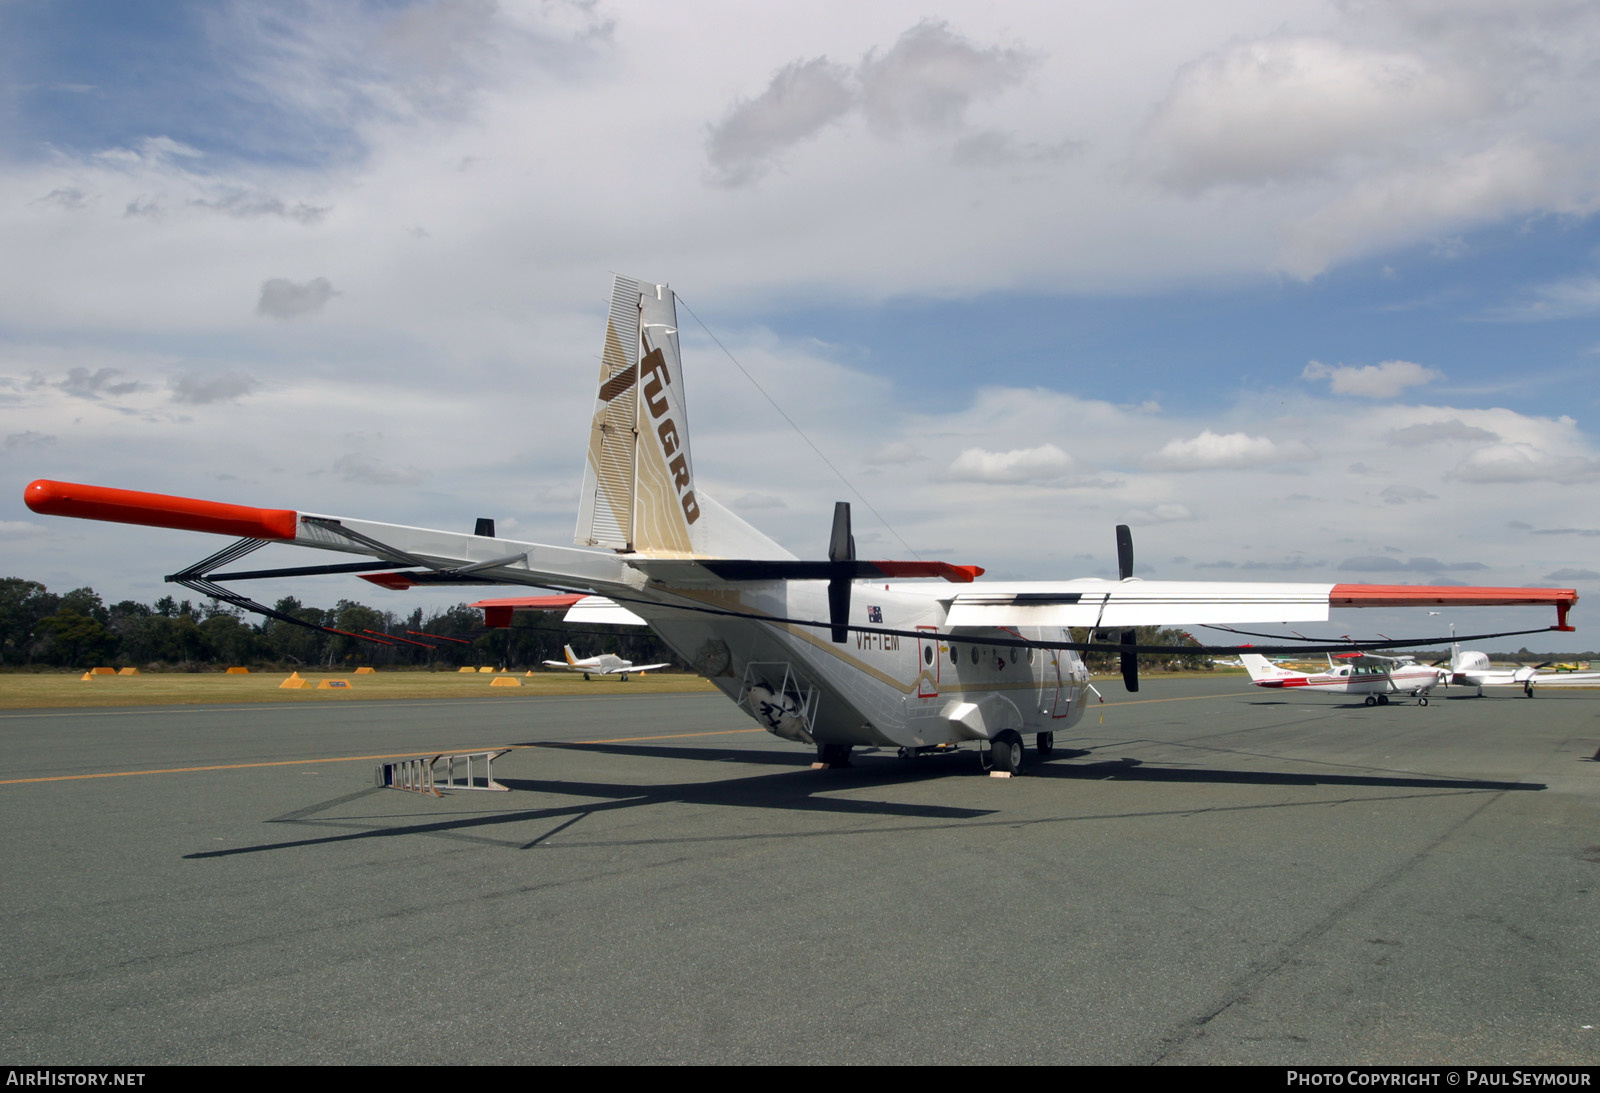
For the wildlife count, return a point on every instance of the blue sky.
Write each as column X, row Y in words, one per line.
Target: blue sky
column 1303, row 289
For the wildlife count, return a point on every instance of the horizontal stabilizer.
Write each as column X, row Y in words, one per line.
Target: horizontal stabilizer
column 497, row 613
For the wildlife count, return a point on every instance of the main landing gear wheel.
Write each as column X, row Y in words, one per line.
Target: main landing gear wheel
column 1372, row 700
column 1045, row 742
column 1527, row 690
column 1383, row 700
column 1422, row 700
column 833, row 756
column 1004, row 753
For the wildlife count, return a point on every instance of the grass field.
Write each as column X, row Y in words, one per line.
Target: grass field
column 26, row 691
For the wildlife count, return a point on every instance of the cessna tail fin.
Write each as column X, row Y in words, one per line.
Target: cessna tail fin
column 1261, row 668
column 639, row 491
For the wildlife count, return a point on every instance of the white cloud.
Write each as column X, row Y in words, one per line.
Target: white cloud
column 1416, row 201
column 1451, row 431
column 1219, row 451
column 1046, row 463
column 1554, row 300
column 1518, row 463
column 1384, row 380
column 1170, row 512
column 1278, row 108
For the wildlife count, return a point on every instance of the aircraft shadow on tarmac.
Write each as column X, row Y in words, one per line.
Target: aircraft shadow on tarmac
column 880, row 767
column 791, row 789
column 1135, row 770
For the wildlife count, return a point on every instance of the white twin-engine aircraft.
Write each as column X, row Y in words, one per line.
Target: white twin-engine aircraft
column 838, row 652
column 1377, row 677
column 1472, row 669
column 606, row 664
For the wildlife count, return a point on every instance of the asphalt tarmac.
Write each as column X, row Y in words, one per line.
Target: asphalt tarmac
column 1201, row 874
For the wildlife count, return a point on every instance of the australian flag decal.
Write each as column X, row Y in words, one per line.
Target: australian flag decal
column 875, row 614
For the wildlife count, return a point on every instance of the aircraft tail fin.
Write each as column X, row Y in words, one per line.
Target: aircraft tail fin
column 1261, row 668
column 572, row 660
column 639, row 492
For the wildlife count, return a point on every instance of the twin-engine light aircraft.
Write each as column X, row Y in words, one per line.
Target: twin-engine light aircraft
column 1361, row 674
column 606, row 664
column 1472, row 669
column 834, row 653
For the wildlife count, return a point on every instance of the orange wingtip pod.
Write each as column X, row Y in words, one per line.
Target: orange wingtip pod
column 1421, row 595
column 958, row 574
column 158, row 510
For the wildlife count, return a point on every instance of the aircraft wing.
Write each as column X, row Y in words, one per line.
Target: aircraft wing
column 1541, row 679
column 1110, row 604
column 438, row 556
column 456, row 558
column 1376, row 660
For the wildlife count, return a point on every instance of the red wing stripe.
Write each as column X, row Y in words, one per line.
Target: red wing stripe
column 158, row 510
column 1421, row 595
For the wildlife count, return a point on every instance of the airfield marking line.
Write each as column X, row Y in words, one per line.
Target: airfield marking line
column 270, row 706
column 227, row 766
column 356, row 758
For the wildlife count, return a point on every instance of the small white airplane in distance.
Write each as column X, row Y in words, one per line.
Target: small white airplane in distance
column 834, row 653
column 1472, row 669
column 1377, row 677
column 606, row 664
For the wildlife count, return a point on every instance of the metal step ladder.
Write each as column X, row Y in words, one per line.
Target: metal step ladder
column 421, row 775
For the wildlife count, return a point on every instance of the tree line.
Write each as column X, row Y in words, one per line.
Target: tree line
column 77, row 629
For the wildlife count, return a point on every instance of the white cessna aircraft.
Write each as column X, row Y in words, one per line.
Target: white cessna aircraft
column 606, row 664
column 1362, row 674
column 836, row 652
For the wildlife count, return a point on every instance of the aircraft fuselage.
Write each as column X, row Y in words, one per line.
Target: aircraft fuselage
column 874, row 688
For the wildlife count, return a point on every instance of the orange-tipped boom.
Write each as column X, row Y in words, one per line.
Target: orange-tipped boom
column 158, row 510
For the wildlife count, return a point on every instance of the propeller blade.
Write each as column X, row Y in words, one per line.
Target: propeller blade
column 841, row 544
column 1124, row 552
column 1130, row 660
column 841, row 549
